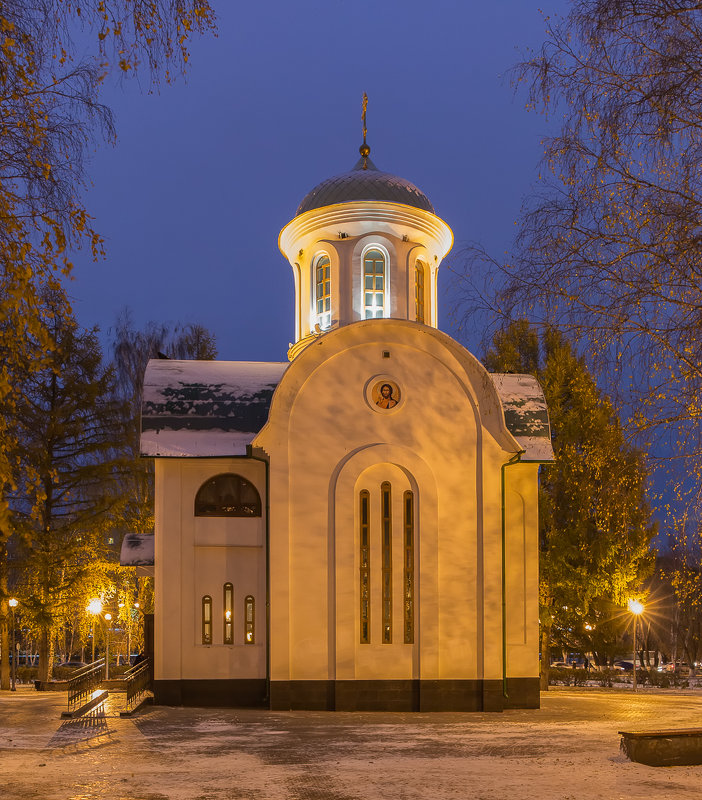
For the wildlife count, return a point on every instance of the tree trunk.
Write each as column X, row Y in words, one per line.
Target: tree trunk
column 4, row 644
column 4, row 621
column 44, row 637
column 545, row 656
column 71, row 644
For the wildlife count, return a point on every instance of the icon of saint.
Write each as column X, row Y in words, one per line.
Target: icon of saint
column 386, row 400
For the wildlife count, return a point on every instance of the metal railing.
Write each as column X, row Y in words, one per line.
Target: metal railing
column 138, row 682
column 82, row 685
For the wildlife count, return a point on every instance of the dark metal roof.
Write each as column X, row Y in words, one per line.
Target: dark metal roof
column 137, row 550
column 364, row 182
column 205, row 408
column 526, row 414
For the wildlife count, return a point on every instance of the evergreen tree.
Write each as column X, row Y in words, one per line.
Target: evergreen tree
column 69, row 427
column 595, row 528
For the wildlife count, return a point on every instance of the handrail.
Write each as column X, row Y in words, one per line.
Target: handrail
column 138, row 680
column 131, row 670
column 84, row 682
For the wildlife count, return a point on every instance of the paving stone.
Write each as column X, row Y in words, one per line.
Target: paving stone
column 567, row 749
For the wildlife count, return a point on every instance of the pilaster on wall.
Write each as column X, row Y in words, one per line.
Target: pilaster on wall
column 168, row 561
column 522, row 570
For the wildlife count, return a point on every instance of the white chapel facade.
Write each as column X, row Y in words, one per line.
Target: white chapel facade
column 356, row 528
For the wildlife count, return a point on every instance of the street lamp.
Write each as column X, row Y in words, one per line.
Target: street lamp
column 94, row 608
column 637, row 608
column 108, row 617
column 12, row 602
column 138, row 609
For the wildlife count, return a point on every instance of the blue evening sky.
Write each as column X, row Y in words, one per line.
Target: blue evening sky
column 206, row 173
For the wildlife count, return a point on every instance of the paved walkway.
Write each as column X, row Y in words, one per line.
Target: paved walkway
column 567, row 749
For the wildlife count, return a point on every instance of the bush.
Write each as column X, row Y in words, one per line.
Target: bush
column 642, row 677
column 580, row 676
column 658, row 679
column 63, row 673
column 567, row 676
column 677, row 680
column 606, row 677
column 27, row 674
column 558, row 675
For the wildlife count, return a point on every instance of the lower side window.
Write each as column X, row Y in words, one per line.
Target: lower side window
column 207, row 619
column 249, row 620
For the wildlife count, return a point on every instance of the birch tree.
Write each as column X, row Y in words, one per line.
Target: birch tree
column 131, row 349
column 609, row 246
column 54, row 57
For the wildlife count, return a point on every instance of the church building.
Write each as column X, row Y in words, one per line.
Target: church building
column 355, row 528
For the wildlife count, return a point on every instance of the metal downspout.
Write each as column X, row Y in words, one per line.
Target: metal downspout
column 266, row 463
column 514, row 460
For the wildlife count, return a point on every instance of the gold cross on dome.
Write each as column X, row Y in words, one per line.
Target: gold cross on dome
column 364, row 149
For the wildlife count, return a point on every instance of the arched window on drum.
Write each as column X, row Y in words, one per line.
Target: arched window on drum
column 375, row 284
column 322, row 291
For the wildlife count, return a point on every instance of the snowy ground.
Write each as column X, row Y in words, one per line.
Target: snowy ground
column 567, row 749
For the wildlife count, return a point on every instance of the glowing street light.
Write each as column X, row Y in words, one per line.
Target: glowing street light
column 94, row 608
column 13, row 602
column 637, row 608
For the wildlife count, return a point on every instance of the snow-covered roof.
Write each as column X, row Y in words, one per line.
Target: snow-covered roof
column 526, row 414
column 216, row 408
column 137, row 550
column 205, row 408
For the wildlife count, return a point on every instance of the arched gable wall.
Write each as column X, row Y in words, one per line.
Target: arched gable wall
column 467, row 369
column 451, row 420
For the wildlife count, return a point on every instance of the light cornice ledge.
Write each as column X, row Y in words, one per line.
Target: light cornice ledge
column 358, row 218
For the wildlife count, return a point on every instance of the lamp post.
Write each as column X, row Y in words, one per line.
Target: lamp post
column 108, row 617
column 94, row 608
column 138, row 609
column 637, row 608
column 129, row 626
column 12, row 602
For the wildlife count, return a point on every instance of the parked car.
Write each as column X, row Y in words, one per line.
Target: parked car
column 623, row 666
column 560, row 665
column 669, row 667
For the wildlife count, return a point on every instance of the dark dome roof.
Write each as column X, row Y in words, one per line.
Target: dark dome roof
column 364, row 182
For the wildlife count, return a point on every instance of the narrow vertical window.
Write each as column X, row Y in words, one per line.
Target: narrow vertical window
column 207, row 619
column 228, row 606
column 419, row 290
column 364, row 543
column 322, row 291
column 408, row 570
column 386, row 527
column 373, row 284
column 249, row 620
